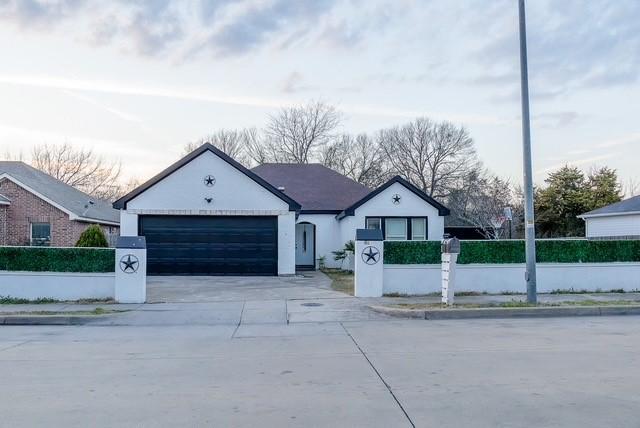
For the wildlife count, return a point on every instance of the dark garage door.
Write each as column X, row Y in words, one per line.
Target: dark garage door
column 202, row 245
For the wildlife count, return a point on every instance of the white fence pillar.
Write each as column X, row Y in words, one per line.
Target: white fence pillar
column 368, row 259
column 131, row 270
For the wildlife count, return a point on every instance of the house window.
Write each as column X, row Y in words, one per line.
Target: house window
column 40, row 234
column 373, row 223
column 418, row 229
column 395, row 229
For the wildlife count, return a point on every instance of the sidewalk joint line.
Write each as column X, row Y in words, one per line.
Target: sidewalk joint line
column 379, row 376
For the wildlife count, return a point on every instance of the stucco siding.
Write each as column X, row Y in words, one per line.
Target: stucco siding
column 382, row 205
column 612, row 226
column 184, row 191
column 327, row 236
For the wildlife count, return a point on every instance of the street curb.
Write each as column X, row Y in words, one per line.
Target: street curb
column 47, row 319
column 540, row 312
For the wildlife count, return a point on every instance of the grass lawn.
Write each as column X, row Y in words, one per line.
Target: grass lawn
column 511, row 304
column 340, row 280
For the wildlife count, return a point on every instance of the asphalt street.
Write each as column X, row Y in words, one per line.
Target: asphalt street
column 563, row 372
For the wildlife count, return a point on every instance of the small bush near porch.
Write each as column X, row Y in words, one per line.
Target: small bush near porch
column 341, row 280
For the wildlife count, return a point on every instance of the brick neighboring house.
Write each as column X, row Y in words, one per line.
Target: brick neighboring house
column 37, row 209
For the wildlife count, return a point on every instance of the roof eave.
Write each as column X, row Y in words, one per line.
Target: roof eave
column 587, row 215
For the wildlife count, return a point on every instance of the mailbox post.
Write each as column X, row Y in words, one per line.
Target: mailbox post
column 450, row 250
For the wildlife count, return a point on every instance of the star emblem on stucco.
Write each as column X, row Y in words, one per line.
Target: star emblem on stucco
column 370, row 255
column 209, row 180
column 129, row 263
column 395, row 199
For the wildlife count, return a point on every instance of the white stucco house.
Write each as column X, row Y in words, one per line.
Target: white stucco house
column 209, row 215
column 616, row 221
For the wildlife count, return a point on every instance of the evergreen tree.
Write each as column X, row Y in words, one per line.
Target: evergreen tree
column 93, row 236
column 568, row 194
column 603, row 188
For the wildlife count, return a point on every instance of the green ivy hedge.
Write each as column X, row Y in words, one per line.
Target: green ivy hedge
column 51, row 259
column 547, row 251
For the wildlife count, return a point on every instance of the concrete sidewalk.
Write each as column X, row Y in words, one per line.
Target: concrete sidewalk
column 335, row 307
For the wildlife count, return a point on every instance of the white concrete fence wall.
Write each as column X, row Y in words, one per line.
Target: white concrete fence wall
column 57, row 285
column 125, row 285
column 497, row 278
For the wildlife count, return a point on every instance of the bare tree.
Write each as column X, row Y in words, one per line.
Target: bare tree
column 230, row 141
column 480, row 202
column 256, row 147
column 433, row 156
column 631, row 188
column 359, row 158
column 296, row 133
column 79, row 168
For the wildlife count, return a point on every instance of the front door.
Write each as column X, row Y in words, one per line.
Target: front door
column 305, row 246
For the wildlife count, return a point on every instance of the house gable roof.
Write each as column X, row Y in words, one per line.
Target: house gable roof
column 61, row 195
column 628, row 206
column 318, row 189
column 207, row 147
column 442, row 210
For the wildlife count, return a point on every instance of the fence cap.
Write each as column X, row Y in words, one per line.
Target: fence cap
column 368, row 235
column 131, row 242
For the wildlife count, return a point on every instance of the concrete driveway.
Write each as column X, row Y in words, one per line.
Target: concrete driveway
column 202, row 289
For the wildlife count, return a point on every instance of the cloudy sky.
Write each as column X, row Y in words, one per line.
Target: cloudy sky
column 137, row 80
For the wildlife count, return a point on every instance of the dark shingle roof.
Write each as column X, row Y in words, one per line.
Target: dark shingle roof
column 68, row 197
column 622, row 207
column 314, row 186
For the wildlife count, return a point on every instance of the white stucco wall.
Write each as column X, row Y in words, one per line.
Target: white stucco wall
column 610, row 226
column 287, row 244
column 423, row 279
column 128, row 223
column 327, row 236
column 57, row 285
column 410, row 206
column 183, row 192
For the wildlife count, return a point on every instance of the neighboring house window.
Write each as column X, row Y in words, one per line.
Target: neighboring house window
column 40, row 234
column 373, row 223
column 395, row 229
column 418, row 229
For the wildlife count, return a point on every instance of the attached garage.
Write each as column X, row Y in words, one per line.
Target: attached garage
column 204, row 245
column 208, row 215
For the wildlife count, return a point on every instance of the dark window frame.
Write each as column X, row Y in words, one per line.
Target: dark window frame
column 408, row 219
column 39, row 241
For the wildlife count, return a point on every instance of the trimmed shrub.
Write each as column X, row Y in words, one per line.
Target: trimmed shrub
column 502, row 252
column 51, row 259
column 93, row 236
column 412, row 252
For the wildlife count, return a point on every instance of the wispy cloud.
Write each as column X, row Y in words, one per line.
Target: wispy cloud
column 199, row 94
column 626, row 139
column 578, row 162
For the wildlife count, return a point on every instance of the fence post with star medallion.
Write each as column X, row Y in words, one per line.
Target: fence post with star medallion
column 368, row 263
column 131, row 270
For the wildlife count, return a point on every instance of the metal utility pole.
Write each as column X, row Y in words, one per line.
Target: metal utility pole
column 529, row 228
